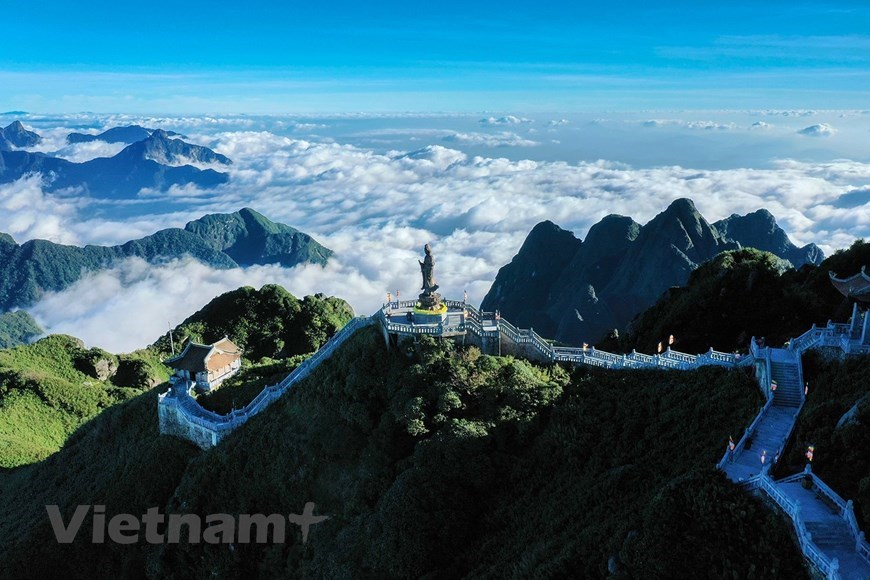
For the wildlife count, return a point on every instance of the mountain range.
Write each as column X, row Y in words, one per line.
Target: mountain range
column 156, row 162
column 127, row 134
column 578, row 290
column 230, row 240
column 434, row 461
column 15, row 135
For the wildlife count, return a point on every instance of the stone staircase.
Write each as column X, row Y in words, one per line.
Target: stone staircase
column 831, row 535
column 787, row 375
column 828, row 529
column 824, row 522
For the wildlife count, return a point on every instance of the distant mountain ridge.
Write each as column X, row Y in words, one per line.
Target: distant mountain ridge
column 160, row 147
column 17, row 327
column 576, row 291
column 156, row 162
column 15, row 135
column 127, row 134
column 220, row 240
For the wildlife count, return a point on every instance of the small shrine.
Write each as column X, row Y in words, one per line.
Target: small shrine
column 206, row 365
column 856, row 288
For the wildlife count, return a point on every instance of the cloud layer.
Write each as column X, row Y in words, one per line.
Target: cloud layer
column 818, row 130
column 377, row 208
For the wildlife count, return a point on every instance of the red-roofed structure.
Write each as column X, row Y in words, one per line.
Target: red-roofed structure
column 207, row 365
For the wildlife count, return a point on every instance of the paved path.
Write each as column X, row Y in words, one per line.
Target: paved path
column 824, row 530
column 829, row 530
column 770, row 436
column 821, row 516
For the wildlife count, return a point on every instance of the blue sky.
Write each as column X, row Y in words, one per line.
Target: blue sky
column 255, row 56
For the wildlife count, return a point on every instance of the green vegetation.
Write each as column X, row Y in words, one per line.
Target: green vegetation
column 437, row 461
column 431, row 462
column 17, row 328
column 242, row 388
column 702, row 526
column 219, row 240
column 51, row 387
column 117, row 459
column 251, row 238
column 842, row 454
column 265, row 323
column 740, row 294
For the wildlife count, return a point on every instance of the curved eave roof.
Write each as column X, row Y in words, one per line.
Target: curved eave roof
column 204, row 357
column 856, row 286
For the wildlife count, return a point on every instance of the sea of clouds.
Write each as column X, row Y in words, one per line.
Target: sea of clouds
column 376, row 189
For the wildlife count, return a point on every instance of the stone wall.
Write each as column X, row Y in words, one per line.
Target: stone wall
column 174, row 422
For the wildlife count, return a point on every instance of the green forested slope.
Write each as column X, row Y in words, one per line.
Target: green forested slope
column 430, row 463
column 230, row 240
column 740, row 294
column 49, row 388
column 17, row 328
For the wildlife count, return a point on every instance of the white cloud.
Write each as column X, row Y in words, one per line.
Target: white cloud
column 506, row 120
column 81, row 152
column 818, row 130
column 377, row 209
column 688, row 124
column 761, row 125
column 26, row 212
column 502, row 139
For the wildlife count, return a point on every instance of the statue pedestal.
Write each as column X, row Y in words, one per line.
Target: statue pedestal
column 430, row 301
column 429, row 309
column 424, row 317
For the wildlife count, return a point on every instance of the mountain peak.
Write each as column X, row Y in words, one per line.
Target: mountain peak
column 160, row 135
column 16, row 135
column 248, row 212
column 760, row 218
column 122, row 134
column 682, row 207
column 760, row 230
column 249, row 237
column 7, row 240
column 612, row 230
column 162, row 148
column 545, row 236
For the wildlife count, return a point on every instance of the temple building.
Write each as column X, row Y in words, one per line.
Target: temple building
column 206, row 366
column 857, row 286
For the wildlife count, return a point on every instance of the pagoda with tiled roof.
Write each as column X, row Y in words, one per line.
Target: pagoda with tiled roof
column 207, row 366
column 856, row 286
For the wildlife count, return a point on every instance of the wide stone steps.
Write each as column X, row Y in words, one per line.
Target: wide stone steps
column 788, row 387
column 831, row 534
column 829, row 531
column 852, row 566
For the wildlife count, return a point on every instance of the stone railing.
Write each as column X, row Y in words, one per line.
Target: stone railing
column 670, row 359
column 836, row 335
column 829, row 567
column 477, row 322
column 749, row 432
column 846, row 508
column 209, row 427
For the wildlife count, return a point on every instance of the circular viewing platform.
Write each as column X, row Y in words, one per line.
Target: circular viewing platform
column 404, row 317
